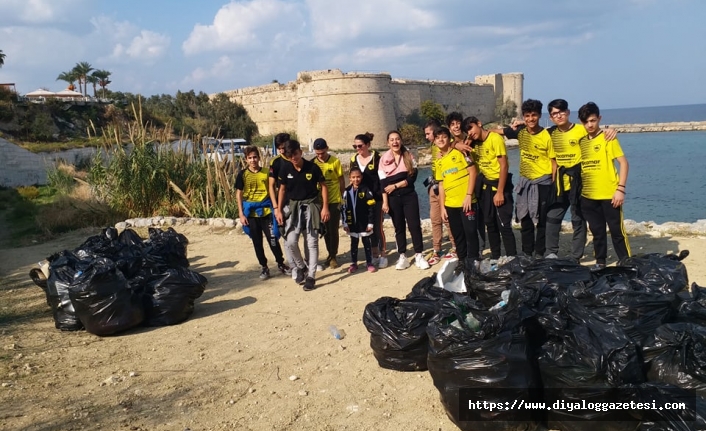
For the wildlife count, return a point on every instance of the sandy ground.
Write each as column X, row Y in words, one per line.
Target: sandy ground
column 230, row 366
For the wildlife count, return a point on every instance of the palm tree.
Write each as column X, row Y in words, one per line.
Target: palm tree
column 2, row 58
column 82, row 69
column 69, row 77
column 92, row 79
column 103, row 80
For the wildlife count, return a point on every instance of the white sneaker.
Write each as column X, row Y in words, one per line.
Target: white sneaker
column 551, row 256
column 421, row 262
column 402, row 263
column 319, row 268
column 382, row 262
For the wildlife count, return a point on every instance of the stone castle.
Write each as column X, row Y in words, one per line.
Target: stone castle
column 337, row 106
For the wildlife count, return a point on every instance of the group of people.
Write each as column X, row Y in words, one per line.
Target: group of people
column 568, row 166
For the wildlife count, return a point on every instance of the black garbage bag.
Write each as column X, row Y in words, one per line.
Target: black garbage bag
column 130, row 238
column 676, row 355
column 62, row 270
column 425, row 288
column 170, row 296
column 398, row 331
column 487, row 288
column 618, row 298
column 691, row 305
column 166, row 249
column 690, row 418
column 561, row 272
column 104, row 302
column 593, row 357
column 104, row 244
column 663, row 272
column 470, row 349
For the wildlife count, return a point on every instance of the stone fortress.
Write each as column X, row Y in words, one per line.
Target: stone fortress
column 336, row 106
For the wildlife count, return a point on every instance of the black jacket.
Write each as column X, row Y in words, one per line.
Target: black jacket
column 358, row 214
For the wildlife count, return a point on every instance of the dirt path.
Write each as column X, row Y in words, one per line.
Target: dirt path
column 254, row 356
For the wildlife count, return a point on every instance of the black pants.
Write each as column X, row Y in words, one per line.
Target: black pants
column 331, row 238
column 598, row 213
column 464, row 228
column 530, row 243
column 378, row 239
column 258, row 227
column 500, row 224
column 404, row 211
column 367, row 247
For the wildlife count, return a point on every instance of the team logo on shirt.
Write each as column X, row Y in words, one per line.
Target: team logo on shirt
column 361, row 195
column 597, row 148
column 289, row 176
column 573, row 142
column 371, row 166
column 309, row 177
column 487, row 151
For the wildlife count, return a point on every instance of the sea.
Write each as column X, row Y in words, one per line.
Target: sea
column 666, row 180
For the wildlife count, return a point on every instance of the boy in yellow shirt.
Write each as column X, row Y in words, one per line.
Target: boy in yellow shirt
column 603, row 192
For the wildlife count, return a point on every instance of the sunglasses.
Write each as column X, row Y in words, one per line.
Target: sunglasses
column 358, row 146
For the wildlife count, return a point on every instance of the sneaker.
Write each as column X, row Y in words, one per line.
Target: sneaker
column 301, row 275
column 265, row 273
column 451, row 254
column 598, row 267
column 433, row 257
column 371, row 268
column 551, row 256
column 309, row 284
column 402, row 263
column 420, row 262
column 333, row 264
column 353, row 268
column 319, row 268
column 284, row 269
column 382, row 262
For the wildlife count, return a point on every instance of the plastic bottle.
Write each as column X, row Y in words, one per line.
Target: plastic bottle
column 503, row 301
column 335, row 332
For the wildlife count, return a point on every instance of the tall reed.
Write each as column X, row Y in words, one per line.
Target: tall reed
column 144, row 174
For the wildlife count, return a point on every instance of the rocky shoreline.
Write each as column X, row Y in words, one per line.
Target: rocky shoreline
column 684, row 126
column 632, row 227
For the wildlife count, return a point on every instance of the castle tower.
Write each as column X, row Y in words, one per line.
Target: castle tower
column 337, row 106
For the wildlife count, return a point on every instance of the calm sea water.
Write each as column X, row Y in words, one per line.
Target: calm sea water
column 655, row 114
column 666, row 178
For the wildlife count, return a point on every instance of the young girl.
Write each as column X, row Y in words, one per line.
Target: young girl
column 358, row 218
column 369, row 161
column 398, row 172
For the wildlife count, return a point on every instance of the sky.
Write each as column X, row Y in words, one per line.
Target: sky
column 617, row 53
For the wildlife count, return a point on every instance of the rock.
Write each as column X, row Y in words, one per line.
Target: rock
column 293, row 377
column 303, row 393
column 133, row 374
column 251, row 390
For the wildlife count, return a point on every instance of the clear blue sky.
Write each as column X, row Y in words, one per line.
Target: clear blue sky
column 618, row 53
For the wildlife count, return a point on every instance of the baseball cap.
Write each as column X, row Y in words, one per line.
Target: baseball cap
column 320, row 144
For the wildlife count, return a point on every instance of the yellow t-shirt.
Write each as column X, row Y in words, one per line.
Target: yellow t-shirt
column 332, row 171
column 254, row 186
column 566, row 147
column 598, row 173
column 536, row 152
column 486, row 155
column 452, row 171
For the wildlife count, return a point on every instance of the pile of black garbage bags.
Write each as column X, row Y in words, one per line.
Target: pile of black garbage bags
column 113, row 282
column 551, row 330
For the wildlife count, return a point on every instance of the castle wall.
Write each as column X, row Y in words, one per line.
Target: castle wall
column 337, row 106
column 272, row 107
